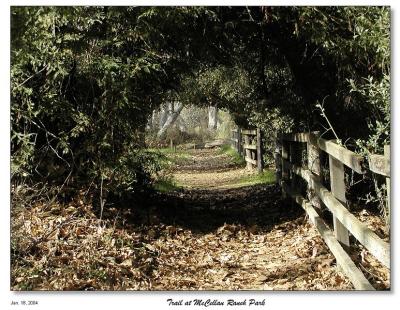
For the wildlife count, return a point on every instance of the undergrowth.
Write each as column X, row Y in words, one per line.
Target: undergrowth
column 171, row 155
column 165, row 185
column 232, row 153
column 267, row 177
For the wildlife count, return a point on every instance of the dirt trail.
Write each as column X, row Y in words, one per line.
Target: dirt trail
column 216, row 238
column 211, row 235
column 207, row 168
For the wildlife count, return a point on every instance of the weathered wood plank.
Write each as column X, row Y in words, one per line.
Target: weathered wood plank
column 249, row 132
column 250, row 161
column 314, row 165
column 338, row 188
column 387, row 165
column 248, row 153
column 379, row 248
column 295, row 159
column 347, row 157
column 253, row 154
column 343, row 259
column 250, row 146
column 377, row 164
column 387, row 156
column 284, row 158
column 296, row 137
column 260, row 151
column 342, row 154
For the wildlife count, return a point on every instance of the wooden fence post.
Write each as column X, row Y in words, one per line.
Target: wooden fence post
column 291, row 160
column 260, row 153
column 253, row 152
column 285, row 157
column 247, row 151
column 314, row 165
column 338, row 189
column 387, row 169
column 295, row 159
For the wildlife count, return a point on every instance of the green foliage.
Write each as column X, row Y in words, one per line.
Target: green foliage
column 169, row 156
column 226, row 125
column 236, row 158
column 353, row 45
column 84, row 80
column 134, row 170
column 377, row 95
column 225, row 87
column 266, row 177
column 165, row 185
column 271, row 124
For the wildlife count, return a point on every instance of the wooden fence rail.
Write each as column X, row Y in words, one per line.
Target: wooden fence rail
column 248, row 143
column 345, row 223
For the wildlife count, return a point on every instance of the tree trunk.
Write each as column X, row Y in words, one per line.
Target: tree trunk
column 151, row 121
column 163, row 115
column 170, row 120
column 154, row 119
column 180, row 123
column 212, row 117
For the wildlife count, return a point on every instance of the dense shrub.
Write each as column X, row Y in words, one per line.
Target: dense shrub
column 84, row 80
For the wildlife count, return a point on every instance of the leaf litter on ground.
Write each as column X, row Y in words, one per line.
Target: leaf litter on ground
column 199, row 239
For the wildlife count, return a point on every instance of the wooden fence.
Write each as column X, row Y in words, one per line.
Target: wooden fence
column 289, row 172
column 248, row 143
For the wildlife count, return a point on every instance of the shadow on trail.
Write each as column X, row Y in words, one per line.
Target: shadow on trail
column 202, row 208
column 202, row 211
